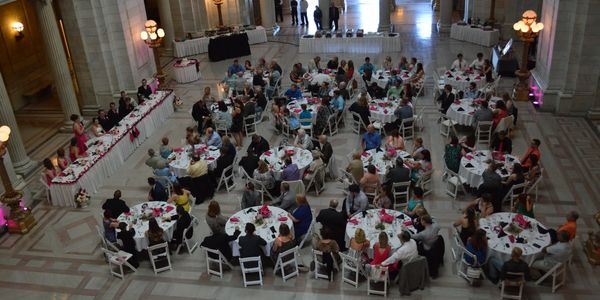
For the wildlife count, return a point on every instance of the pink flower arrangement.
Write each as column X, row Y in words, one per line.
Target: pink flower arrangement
column 385, row 217
column 519, row 219
column 290, row 152
column 392, row 152
column 264, row 211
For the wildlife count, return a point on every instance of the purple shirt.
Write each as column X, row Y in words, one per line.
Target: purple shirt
column 290, row 173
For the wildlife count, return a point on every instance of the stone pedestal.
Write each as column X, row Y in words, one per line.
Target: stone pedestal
column 324, row 6
column 384, row 16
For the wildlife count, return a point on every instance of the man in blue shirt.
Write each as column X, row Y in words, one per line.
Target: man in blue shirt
column 213, row 138
column 337, row 103
column 472, row 92
column 366, row 66
column 293, row 92
column 235, row 68
column 371, row 139
column 305, row 114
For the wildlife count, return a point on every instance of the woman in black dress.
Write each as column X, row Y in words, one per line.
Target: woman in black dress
column 126, row 237
column 237, row 124
column 487, row 71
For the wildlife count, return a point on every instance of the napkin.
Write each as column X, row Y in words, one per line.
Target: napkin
column 457, row 78
column 282, row 219
column 210, row 158
column 353, row 221
column 468, row 157
column 268, row 153
column 407, row 223
column 460, row 109
column 169, row 208
column 511, row 238
column 365, row 154
column 457, row 101
column 129, row 214
column 478, row 78
column 373, row 108
column 297, row 110
column 469, row 165
column 385, row 111
column 472, row 113
column 542, row 230
column 234, row 219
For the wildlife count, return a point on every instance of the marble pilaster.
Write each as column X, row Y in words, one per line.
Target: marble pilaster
column 445, row 21
column 267, row 14
column 384, row 16
column 166, row 21
column 324, row 6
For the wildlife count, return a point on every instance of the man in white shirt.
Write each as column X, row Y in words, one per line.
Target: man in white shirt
column 303, row 141
column 477, row 64
column 554, row 254
column 459, row 64
column 303, row 16
column 406, row 252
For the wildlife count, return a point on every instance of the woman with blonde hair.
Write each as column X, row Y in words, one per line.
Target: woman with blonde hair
column 215, row 220
column 381, row 249
column 359, row 242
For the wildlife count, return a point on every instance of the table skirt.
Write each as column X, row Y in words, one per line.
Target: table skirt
column 475, row 35
column 186, row 74
column 371, row 44
column 200, row 45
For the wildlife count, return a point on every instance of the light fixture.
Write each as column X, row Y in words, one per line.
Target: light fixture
column 527, row 29
column 152, row 35
column 18, row 28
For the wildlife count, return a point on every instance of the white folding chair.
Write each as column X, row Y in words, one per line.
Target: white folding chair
column 419, row 119
column 446, row 126
column 165, row 182
column 506, row 124
column 160, row 260
column 221, row 127
column 214, row 266
column 46, row 187
column 308, row 128
column 372, row 284
column 454, row 183
column 287, row 260
column 371, row 187
column 558, row 274
column 533, row 186
column 401, row 192
column 118, row 259
column 321, row 266
column 483, row 133
column 297, row 186
column 225, row 179
column 512, row 288
column 515, row 191
column 464, row 265
column 425, row 183
column 190, row 244
column 260, row 187
column 317, row 181
column 357, row 123
column 332, row 125
column 407, row 128
column 249, row 266
column 351, row 268
column 308, row 235
column 106, row 243
column 250, row 125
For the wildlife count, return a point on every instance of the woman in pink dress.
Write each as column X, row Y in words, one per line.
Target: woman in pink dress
column 74, row 153
column 50, row 171
column 381, row 252
column 79, row 132
column 61, row 160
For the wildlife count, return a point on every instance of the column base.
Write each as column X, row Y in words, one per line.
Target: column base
column 66, row 127
column 25, row 168
column 384, row 28
column 443, row 28
column 522, row 88
column 90, row 110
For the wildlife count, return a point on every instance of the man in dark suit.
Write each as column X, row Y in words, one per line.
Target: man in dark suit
column 502, row 143
column 446, row 98
column 113, row 114
column 249, row 163
column 223, row 162
column 104, row 121
column 335, row 221
column 250, row 243
column 157, row 191
column 220, row 241
column 398, row 173
column 115, row 205
column 258, row 145
column 144, row 89
column 325, row 148
column 287, row 199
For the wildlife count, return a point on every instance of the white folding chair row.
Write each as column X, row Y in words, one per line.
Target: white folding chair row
column 214, row 266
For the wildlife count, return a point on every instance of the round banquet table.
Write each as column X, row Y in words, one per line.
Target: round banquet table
column 473, row 164
column 460, row 80
column 374, row 157
column 139, row 215
column 269, row 230
column 181, row 161
column 382, row 110
column 302, row 158
column 312, row 104
column 215, row 106
column 315, row 78
column 186, row 71
column 532, row 240
column 382, row 77
column 249, row 76
column 462, row 111
column 368, row 222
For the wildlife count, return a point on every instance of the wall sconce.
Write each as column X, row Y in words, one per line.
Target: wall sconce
column 18, row 28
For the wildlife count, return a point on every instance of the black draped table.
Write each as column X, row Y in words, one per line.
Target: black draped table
column 228, row 46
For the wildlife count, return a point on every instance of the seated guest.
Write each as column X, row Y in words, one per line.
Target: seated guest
column 325, row 148
column 514, row 265
column 258, row 80
column 371, row 139
column 399, row 173
column 404, row 111
column 250, row 197
column 74, row 152
column 381, row 250
column 154, row 160
column 406, row 253
column 467, row 224
column 535, row 170
column 115, row 205
column 283, row 242
column 501, row 143
column 163, row 170
column 370, row 180
column 225, row 160
column 417, row 148
column 361, row 107
column 413, row 64
column 395, row 141
column 330, row 249
column 302, row 140
column 478, row 246
column 61, row 160
column 231, row 151
column 235, row 68
column 192, row 137
column 223, row 116
column 359, row 242
column 261, row 103
column 313, row 64
column 213, row 138
column 157, row 191
column 305, row 114
column 125, row 107
column 446, row 98
column 334, row 220
column 472, row 92
column 524, row 206
column 249, row 162
column 126, row 236
column 516, row 177
column 248, row 66
column 301, row 217
column 453, row 154
column 429, row 235
column 459, row 64
column 50, row 171
column 249, row 106
column 332, row 64
column 482, row 205
column 180, row 196
column 338, row 103
column 183, row 221
column 297, row 73
column 165, row 150
column 343, row 90
column 258, row 145
column 214, row 219
column 415, row 202
column 383, row 198
column 113, row 114
column 310, row 172
column 265, row 176
column 367, row 79
column 492, row 183
column 221, row 241
column 201, row 114
column 499, row 113
column 144, row 89
column 355, row 167
column 395, row 91
column 104, row 120
column 569, row 227
column 290, row 171
column 483, row 114
column 197, row 167
column 477, row 64
column 403, row 65
column 420, row 167
column 155, row 234
column 356, row 201
column 534, row 149
column 109, row 224
column 287, row 198
column 553, row 255
column 367, row 66
column 251, row 244
column 375, row 91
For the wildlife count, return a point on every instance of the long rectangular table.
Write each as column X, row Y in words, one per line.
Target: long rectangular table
column 200, row 45
column 366, row 44
column 108, row 152
column 476, row 35
column 228, row 46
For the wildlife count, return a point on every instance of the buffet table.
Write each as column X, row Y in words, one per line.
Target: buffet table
column 366, row 44
column 200, row 45
column 108, row 152
column 186, row 71
column 475, row 35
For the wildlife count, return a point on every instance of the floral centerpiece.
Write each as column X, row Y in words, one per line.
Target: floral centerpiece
column 264, row 211
column 519, row 220
column 82, row 198
column 380, row 226
column 385, row 217
column 177, row 103
column 390, row 154
column 290, row 152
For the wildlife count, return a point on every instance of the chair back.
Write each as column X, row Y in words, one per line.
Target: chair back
column 226, row 178
column 166, row 183
column 214, row 266
column 376, row 276
column 317, row 180
column 506, row 123
column 371, row 187
column 160, row 257
column 514, row 284
column 308, row 234
column 483, row 133
column 424, row 182
column 190, row 243
column 357, row 123
column 250, row 124
column 515, row 191
column 332, row 126
column 407, row 128
column 350, row 268
column 297, row 186
column 321, row 266
column 401, row 192
column 287, row 263
column 251, row 265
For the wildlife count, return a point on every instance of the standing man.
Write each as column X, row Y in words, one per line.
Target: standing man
column 334, row 16
column 294, row 11
column 318, row 15
column 303, row 16
column 278, row 10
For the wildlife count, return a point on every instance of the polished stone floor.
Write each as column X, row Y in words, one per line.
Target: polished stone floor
column 61, row 258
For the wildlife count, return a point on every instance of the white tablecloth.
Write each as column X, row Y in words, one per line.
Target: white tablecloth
column 367, row 44
column 295, row 107
column 302, row 158
column 372, row 157
column 372, row 218
column 141, row 226
column 186, row 71
column 460, row 80
column 108, row 152
column 382, row 110
column 462, row 111
column 501, row 247
column 200, row 45
column 181, row 163
column 248, row 215
column 473, row 175
column 475, row 35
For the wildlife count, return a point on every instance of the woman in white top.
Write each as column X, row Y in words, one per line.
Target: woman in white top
column 97, row 128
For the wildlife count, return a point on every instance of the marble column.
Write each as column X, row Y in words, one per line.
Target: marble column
column 324, row 6
column 21, row 162
column 445, row 21
column 166, row 22
column 57, row 60
column 267, row 14
column 384, row 16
